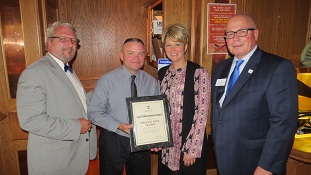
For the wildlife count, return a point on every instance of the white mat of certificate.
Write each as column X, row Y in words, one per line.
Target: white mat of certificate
column 149, row 122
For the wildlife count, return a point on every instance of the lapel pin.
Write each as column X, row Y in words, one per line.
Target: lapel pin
column 250, row 71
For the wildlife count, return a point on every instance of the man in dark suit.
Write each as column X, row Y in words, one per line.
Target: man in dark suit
column 253, row 121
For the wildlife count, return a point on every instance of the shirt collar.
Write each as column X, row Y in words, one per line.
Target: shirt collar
column 246, row 57
column 59, row 62
column 127, row 74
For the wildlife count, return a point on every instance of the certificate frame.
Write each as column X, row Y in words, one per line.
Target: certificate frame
column 152, row 125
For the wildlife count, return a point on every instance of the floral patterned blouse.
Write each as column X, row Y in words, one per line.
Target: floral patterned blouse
column 173, row 87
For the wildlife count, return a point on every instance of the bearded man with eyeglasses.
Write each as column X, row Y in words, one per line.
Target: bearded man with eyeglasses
column 52, row 106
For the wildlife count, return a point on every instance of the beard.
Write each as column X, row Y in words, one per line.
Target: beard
column 70, row 51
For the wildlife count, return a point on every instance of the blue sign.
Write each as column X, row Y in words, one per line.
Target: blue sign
column 162, row 62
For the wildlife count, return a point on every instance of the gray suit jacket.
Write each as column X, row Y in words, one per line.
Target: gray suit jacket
column 49, row 108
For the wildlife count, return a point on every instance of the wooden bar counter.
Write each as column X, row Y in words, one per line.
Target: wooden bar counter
column 299, row 162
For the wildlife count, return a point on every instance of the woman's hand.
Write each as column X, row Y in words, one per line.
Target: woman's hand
column 188, row 160
column 156, row 149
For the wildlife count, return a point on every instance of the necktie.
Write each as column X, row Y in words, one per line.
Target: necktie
column 235, row 75
column 68, row 67
column 133, row 87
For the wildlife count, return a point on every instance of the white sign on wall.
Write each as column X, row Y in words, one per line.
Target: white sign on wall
column 157, row 27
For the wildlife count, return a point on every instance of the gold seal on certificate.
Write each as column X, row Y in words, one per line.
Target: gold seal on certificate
column 150, row 118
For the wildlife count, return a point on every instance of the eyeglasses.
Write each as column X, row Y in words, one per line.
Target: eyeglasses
column 239, row 33
column 64, row 39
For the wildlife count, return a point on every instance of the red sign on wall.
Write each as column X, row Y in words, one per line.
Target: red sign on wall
column 218, row 15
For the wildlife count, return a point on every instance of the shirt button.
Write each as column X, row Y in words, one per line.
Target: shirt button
column 219, row 121
column 87, row 139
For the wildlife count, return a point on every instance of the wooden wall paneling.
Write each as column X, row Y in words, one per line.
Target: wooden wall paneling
column 29, row 18
column 16, row 132
column 95, row 28
column 196, row 26
column 290, row 168
column 132, row 22
column 42, row 27
column 148, row 31
column 192, row 32
column 51, row 12
column 48, row 13
column 2, row 116
column 151, row 65
column 4, row 91
column 20, row 147
column 295, row 167
column 88, row 83
column 31, row 24
column 281, row 24
column 179, row 13
column 151, row 70
column 154, row 163
column 10, row 128
column 3, row 87
column 7, row 158
column 1, row 160
column 265, row 14
column 292, row 32
column 2, row 148
column 3, row 105
column 102, row 26
column 207, row 59
column 8, row 154
column 62, row 10
column 13, row 43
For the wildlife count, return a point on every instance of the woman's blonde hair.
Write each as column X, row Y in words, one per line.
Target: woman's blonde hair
column 176, row 32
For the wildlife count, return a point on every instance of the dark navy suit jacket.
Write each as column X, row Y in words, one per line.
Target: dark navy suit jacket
column 257, row 122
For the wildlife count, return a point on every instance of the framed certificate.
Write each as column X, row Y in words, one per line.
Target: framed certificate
column 150, row 117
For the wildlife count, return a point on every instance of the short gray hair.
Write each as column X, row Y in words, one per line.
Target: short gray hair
column 137, row 40
column 51, row 29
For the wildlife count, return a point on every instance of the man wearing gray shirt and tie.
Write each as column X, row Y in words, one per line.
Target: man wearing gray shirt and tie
column 108, row 110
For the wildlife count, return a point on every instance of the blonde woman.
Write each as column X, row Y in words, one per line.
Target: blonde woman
column 187, row 87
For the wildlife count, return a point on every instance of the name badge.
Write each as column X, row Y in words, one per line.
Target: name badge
column 221, row 82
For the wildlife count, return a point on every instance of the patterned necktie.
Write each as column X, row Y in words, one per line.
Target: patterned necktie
column 235, row 75
column 68, row 67
column 133, row 87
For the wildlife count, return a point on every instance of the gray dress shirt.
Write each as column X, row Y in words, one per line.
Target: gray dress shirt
column 107, row 108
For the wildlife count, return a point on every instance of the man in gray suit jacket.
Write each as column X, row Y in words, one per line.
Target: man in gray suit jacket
column 51, row 106
column 254, row 123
